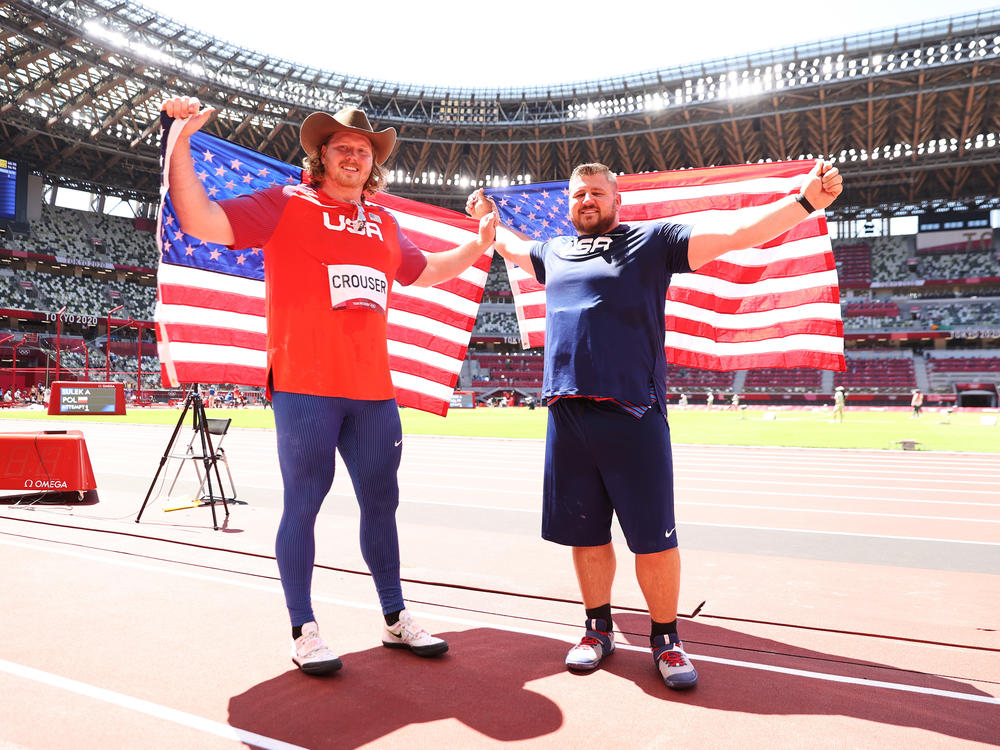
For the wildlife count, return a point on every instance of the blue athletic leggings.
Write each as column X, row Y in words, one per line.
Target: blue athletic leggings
column 368, row 433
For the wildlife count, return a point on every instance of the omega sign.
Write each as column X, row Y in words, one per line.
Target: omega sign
column 45, row 484
column 87, row 320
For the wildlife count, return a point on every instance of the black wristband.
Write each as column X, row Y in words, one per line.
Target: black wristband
column 804, row 203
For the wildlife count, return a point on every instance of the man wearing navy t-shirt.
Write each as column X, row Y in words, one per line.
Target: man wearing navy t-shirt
column 607, row 447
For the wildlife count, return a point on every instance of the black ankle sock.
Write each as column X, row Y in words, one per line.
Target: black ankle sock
column 601, row 613
column 392, row 618
column 296, row 632
column 662, row 628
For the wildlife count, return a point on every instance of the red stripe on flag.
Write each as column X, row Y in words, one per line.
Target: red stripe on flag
column 784, row 360
column 779, row 269
column 427, row 242
column 425, row 340
column 705, row 176
column 212, row 299
column 462, row 288
column 668, row 208
column 813, row 326
column 422, row 370
column 528, row 285
column 756, row 303
column 189, row 333
column 421, row 401
column 433, row 311
column 536, row 338
column 218, row 372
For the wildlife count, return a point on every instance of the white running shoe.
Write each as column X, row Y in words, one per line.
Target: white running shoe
column 310, row 653
column 407, row 634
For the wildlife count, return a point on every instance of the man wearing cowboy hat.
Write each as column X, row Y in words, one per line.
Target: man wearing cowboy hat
column 330, row 259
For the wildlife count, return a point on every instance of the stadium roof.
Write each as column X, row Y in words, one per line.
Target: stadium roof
column 910, row 114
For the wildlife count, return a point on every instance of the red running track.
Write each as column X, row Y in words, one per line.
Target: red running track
column 831, row 599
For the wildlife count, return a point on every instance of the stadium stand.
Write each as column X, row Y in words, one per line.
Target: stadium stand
column 89, row 237
column 854, row 264
column 689, row 379
column 895, row 260
column 81, row 295
column 496, row 323
column 877, row 374
column 795, row 380
column 521, row 370
column 946, row 369
column 889, row 259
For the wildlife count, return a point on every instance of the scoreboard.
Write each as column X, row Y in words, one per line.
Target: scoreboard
column 8, row 189
column 81, row 398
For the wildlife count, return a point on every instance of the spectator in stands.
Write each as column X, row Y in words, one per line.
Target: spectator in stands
column 328, row 362
column 8, row 397
column 608, row 445
column 917, row 403
column 838, row 404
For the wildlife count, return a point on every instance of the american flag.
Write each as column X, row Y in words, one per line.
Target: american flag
column 210, row 315
column 773, row 306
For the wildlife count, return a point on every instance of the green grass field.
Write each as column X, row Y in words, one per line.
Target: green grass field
column 960, row 431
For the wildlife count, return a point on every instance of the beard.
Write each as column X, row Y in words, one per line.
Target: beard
column 599, row 224
column 349, row 179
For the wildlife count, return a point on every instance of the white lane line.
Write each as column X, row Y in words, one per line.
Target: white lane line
column 861, row 682
column 146, row 707
column 833, row 677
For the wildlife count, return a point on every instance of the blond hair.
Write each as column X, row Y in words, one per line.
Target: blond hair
column 592, row 168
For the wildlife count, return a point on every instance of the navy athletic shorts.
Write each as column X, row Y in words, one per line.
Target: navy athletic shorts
column 601, row 460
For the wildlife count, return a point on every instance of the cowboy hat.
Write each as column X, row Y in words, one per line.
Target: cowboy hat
column 319, row 126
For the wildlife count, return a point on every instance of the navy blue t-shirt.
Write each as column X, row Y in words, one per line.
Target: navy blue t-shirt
column 604, row 309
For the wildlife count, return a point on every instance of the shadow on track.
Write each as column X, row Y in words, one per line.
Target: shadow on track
column 380, row 691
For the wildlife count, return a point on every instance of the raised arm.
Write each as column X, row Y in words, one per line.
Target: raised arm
column 450, row 263
column 512, row 246
column 749, row 227
column 198, row 215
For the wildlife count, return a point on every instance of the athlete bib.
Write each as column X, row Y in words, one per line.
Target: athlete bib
column 357, row 286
